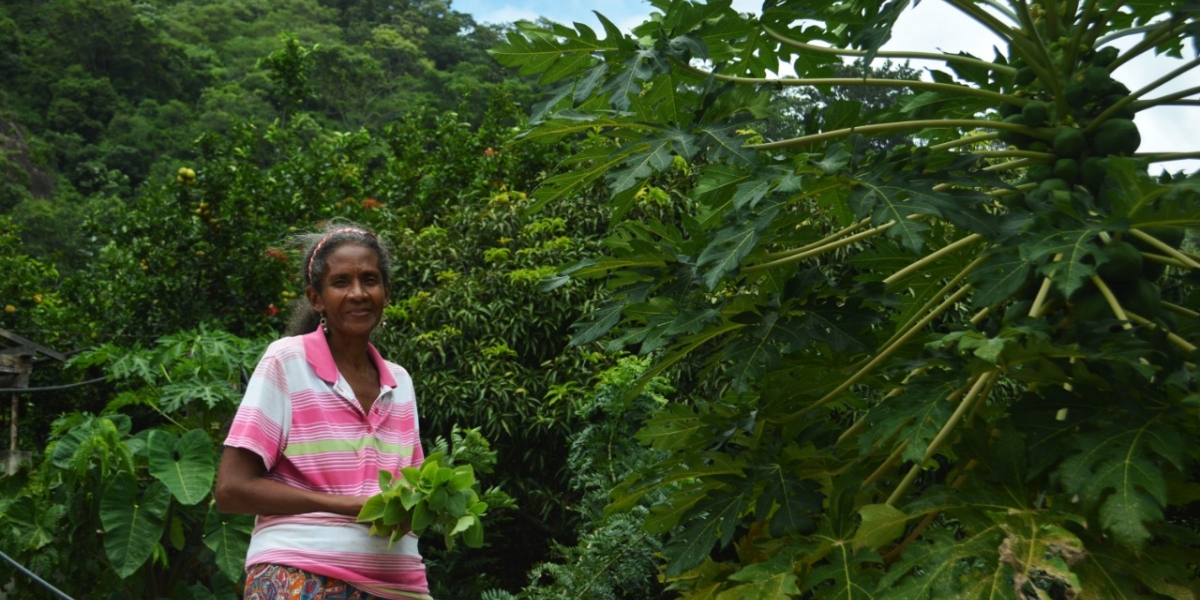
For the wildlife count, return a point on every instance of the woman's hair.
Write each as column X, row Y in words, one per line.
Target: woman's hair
column 314, row 261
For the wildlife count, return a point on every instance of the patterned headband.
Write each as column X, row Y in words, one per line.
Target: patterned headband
column 317, row 248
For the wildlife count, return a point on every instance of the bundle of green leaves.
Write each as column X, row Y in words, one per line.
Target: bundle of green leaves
column 432, row 494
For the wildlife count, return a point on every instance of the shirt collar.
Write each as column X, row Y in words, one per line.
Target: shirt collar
column 320, row 358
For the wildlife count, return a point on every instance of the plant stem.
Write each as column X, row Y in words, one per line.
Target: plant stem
column 1012, row 164
column 886, row 352
column 887, row 465
column 854, row 429
column 947, row 58
column 1180, row 310
column 903, row 329
column 1014, row 154
column 867, row 81
column 1147, row 43
column 894, row 553
column 1040, row 133
column 1162, row 260
column 981, row 315
column 1050, row 8
column 933, row 256
column 1035, row 310
column 1073, row 49
column 1053, row 84
column 1141, row 104
column 795, row 258
column 1179, row 342
column 987, row 391
column 1110, row 111
column 966, row 141
column 956, row 418
column 1113, row 304
column 821, row 242
column 1116, row 35
column 1168, row 156
column 1164, row 248
column 904, row 484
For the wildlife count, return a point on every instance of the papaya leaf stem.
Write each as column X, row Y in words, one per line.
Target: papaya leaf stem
column 1163, row 260
column 1047, row 156
column 932, row 257
column 1116, row 35
column 1179, row 342
column 981, row 315
column 1073, row 48
column 1180, row 310
column 1169, row 98
column 948, row 58
column 886, row 352
column 1051, row 11
column 1039, row 133
column 966, row 141
column 861, row 423
column 1094, row 33
column 887, row 465
column 1149, row 42
column 1111, row 299
column 795, row 258
column 1123, row 102
column 978, row 386
column 868, row 81
column 1052, row 84
column 1164, row 248
column 904, row 484
column 1168, row 156
column 1035, row 310
column 1012, row 164
column 931, row 302
column 821, row 242
column 893, row 554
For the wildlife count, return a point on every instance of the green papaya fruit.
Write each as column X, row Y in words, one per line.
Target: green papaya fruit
column 1024, row 76
column 1066, row 169
column 1096, row 80
column 1040, row 173
column 1093, row 171
column 1124, row 263
column 1069, row 142
column 1075, row 95
column 1105, row 56
column 1036, row 113
column 1142, row 298
column 1012, row 137
column 1116, row 137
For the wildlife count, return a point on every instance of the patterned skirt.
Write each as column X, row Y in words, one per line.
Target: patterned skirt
column 278, row 582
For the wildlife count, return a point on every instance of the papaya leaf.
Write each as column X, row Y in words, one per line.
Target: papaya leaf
column 132, row 524
column 999, row 277
column 716, row 519
column 186, row 465
column 793, row 501
column 1076, row 245
column 769, row 580
column 881, row 523
column 1116, row 470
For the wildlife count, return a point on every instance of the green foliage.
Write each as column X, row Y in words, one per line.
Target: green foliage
column 141, row 517
column 887, row 387
column 439, row 494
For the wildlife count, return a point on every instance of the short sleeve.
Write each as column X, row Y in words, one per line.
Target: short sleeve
column 262, row 421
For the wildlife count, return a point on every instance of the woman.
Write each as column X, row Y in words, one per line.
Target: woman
column 322, row 415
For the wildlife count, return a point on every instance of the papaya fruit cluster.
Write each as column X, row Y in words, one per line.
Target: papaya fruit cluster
column 1131, row 278
column 1080, row 157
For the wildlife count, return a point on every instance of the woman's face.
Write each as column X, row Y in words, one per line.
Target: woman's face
column 352, row 295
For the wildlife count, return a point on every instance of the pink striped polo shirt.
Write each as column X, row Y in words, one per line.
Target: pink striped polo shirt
column 302, row 418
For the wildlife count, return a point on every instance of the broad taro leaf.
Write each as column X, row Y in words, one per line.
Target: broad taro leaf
column 132, row 524
column 228, row 536
column 186, row 465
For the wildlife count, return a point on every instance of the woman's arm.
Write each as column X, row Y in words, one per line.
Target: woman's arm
column 241, row 488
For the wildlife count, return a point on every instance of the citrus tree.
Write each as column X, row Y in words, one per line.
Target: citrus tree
column 958, row 367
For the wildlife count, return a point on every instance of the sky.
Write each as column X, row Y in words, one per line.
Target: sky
column 932, row 25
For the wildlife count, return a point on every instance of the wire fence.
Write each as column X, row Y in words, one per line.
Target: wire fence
column 18, row 566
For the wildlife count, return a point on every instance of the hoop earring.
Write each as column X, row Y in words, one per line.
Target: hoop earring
column 324, row 328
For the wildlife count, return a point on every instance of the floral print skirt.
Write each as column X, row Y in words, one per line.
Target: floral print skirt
column 278, row 582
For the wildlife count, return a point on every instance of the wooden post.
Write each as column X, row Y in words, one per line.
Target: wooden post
column 21, row 365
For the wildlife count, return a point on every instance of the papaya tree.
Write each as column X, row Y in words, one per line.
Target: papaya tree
column 963, row 366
